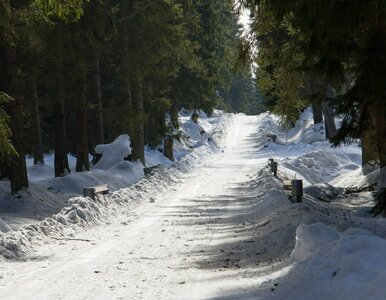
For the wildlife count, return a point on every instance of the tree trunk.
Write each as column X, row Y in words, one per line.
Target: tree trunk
column 168, row 147
column 36, row 129
column 98, row 136
column 329, row 120
column 369, row 143
column 317, row 109
column 61, row 160
column 138, row 130
column 129, row 98
column 82, row 161
column 380, row 125
column 155, row 128
column 152, row 132
column 174, row 115
column 18, row 168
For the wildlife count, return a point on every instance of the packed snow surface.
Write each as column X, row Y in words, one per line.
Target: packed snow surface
column 214, row 225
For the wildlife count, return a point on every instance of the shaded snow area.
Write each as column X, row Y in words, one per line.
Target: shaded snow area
column 216, row 224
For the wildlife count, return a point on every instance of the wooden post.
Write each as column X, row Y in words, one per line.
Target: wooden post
column 297, row 189
column 274, row 168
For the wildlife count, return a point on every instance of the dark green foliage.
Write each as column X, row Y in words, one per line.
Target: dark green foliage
column 243, row 95
column 213, row 40
column 7, row 150
column 85, row 71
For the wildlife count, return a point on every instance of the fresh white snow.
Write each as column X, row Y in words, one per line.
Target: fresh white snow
column 215, row 225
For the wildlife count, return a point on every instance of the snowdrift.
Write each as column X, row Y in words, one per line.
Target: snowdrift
column 331, row 265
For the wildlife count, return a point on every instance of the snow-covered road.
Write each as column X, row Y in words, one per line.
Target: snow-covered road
column 222, row 229
column 193, row 242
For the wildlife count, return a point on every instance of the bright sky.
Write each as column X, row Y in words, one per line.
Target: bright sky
column 244, row 20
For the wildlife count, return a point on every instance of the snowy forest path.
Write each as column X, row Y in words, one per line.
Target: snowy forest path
column 194, row 242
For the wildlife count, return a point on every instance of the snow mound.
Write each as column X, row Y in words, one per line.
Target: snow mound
column 306, row 241
column 305, row 131
column 154, row 157
column 356, row 180
column 321, row 165
column 197, row 132
column 113, row 153
column 331, row 265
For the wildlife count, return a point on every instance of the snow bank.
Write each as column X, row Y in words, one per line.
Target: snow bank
column 331, row 265
column 321, row 165
column 304, row 130
column 357, row 180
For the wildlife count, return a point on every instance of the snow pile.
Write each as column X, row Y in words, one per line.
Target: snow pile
column 331, row 265
column 311, row 237
column 193, row 134
column 113, row 153
column 155, row 157
column 357, row 180
column 196, row 132
column 304, row 130
column 321, row 166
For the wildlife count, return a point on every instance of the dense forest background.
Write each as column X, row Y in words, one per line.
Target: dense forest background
column 75, row 74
